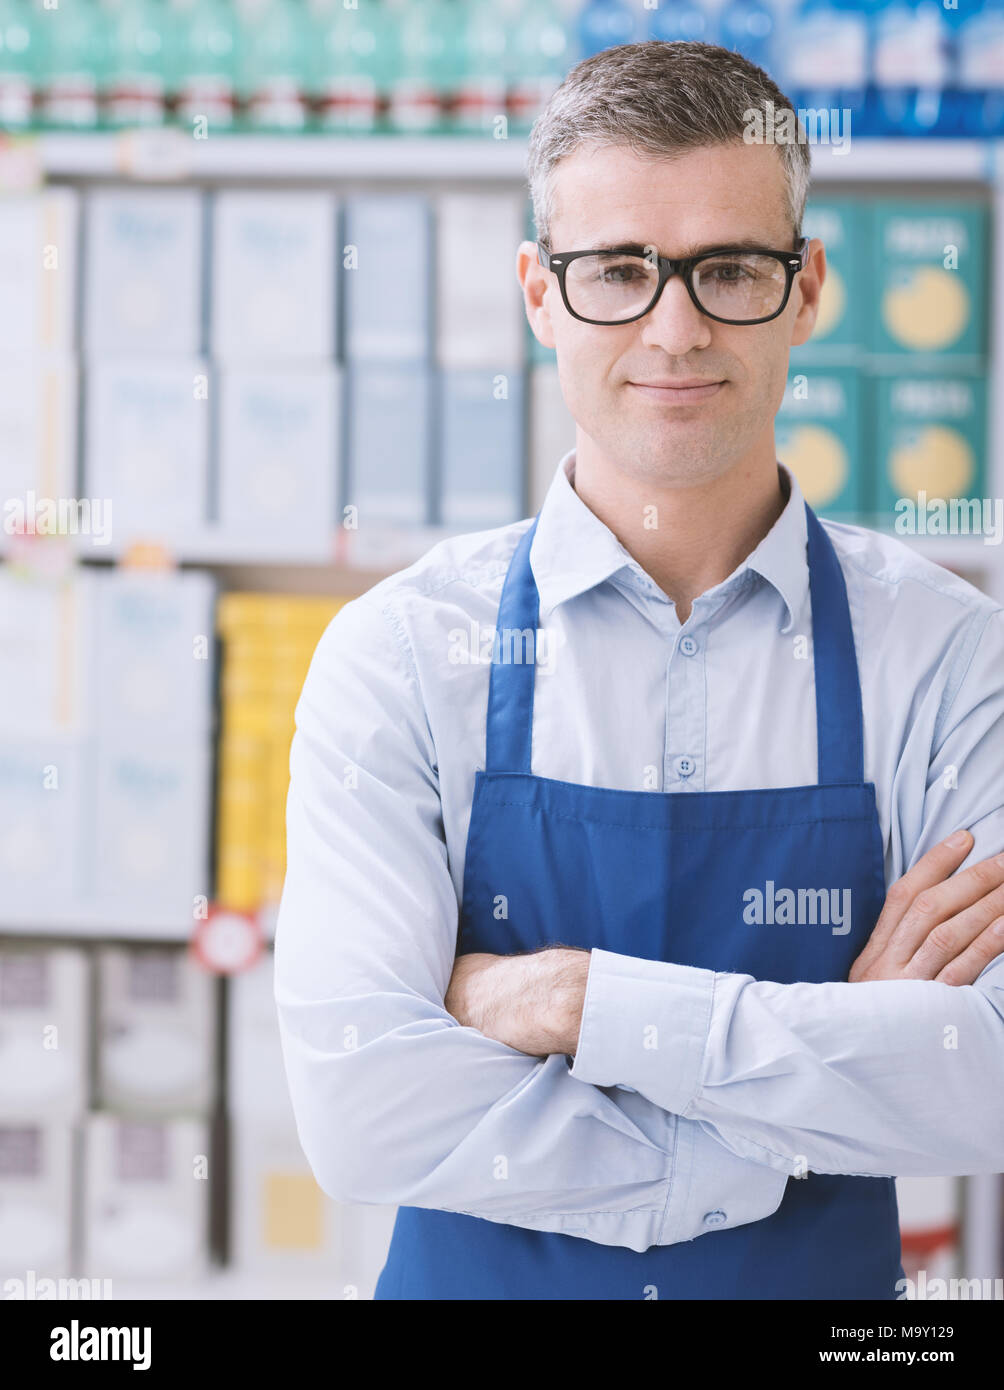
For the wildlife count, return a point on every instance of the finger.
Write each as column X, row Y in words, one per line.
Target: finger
column 948, row 939
column 936, row 905
column 965, row 968
column 931, row 868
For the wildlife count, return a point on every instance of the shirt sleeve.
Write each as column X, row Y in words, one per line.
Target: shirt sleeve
column 882, row 1078
column 395, row 1102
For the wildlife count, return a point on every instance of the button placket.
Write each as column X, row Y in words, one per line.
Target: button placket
column 686, row 715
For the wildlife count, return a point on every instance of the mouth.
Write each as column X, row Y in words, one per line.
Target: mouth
column 680, row 392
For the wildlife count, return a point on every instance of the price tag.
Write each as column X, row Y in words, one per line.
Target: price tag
column 163, row 153
column 227, row 942
column 147, row 555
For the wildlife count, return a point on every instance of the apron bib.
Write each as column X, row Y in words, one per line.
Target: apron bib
column 662, row 876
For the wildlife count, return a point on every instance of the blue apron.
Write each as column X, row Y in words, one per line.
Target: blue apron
column 661, row 875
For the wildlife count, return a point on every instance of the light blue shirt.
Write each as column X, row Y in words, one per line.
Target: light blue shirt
column 753, row 1081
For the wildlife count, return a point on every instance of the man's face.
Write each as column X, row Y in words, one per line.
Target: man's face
column 611, row 376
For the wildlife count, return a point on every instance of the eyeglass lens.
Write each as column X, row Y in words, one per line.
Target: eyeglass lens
column 611, row 286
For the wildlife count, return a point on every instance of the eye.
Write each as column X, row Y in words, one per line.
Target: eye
column 623, row 273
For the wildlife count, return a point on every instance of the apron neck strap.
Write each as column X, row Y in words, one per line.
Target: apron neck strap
column 839, row 720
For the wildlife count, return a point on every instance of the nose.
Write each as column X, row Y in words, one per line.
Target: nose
column 675, row 324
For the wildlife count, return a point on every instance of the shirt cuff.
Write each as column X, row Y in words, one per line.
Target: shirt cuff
column 714, row 1189
column 645, row 1025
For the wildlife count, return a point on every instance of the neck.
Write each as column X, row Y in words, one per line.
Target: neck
column 690, row 537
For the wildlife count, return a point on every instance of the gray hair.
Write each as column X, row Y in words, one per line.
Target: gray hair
column 661, row 98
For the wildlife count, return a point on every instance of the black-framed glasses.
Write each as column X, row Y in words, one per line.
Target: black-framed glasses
column 731, row 284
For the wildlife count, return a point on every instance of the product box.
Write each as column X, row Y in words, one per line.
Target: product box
column 152, row 672
column 930, row 278
column 818, row 434
column 150, row 826
column 844, row 227
column 144, row 272
column 42, row 800
column 280, row 1219
column 274, row 288
column 388, row 282
column 552, row 432
column 931, row 437
column 389, row 420
column 156, row 1031
column 46, row 650
column 147, row 443
column 38, row 444
column 36, row 1198
column 44, row 1004
column 146, row 1185
column 482, row 431
column 481, row 322
column 279, row 460
column 38, row 274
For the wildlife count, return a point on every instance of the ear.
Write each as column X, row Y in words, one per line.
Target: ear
column 539, row 287
column 806, row 291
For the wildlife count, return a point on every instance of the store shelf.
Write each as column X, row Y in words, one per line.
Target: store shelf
column 172, row 154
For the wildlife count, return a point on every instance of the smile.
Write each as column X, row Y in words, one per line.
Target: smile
column 678, row 395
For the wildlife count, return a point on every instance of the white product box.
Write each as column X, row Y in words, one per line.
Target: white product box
column 151, row 826
column 256, row 1076
column 274, row 285
column 45, row 650
column 146, row 1205
column 152, row 672
column 38, row 273
column 42, row 799
column 44, row 1010
column 482, row 431
column 280, row 1219
column 156, row 1031
column 36, row 1198
column 389, row 423
column 388, row 313
column 481, row 322
column 279, row 451
column 38, row 439
column 143, row 283
column 147, row 448
column 552, row 431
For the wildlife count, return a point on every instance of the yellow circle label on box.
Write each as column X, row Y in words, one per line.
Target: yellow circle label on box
column 938, row 461
column 819, row 461
column 930, row 311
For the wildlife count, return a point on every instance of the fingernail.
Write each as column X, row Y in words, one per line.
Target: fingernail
column 999, row 861
column 957, row 840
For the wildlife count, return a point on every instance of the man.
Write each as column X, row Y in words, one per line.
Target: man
column 685, row 1038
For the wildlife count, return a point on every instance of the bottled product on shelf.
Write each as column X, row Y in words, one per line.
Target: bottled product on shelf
column 71, row 55
column 134, row 86
column 205, row 61
column 909, row 68
column 605, row 23
column 748, row 27
column 274, row 53
column 826, row 66
column 480, row 95
column 348, row 74
column 979, row 69
column 18, row 63
column 539, row 55
column 682, row 20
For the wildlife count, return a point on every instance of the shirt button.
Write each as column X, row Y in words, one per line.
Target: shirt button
column 687, row 645
column 715, row 1218
column 684, row 766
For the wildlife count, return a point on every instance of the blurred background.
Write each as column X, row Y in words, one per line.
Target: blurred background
column 245, row 372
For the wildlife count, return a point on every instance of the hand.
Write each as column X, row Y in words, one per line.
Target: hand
column 530, row 1002
column 937, row 927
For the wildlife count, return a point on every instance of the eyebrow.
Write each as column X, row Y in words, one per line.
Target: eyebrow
column 634, row 248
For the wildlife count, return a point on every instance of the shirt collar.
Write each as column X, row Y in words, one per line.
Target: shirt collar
column 573, row 550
